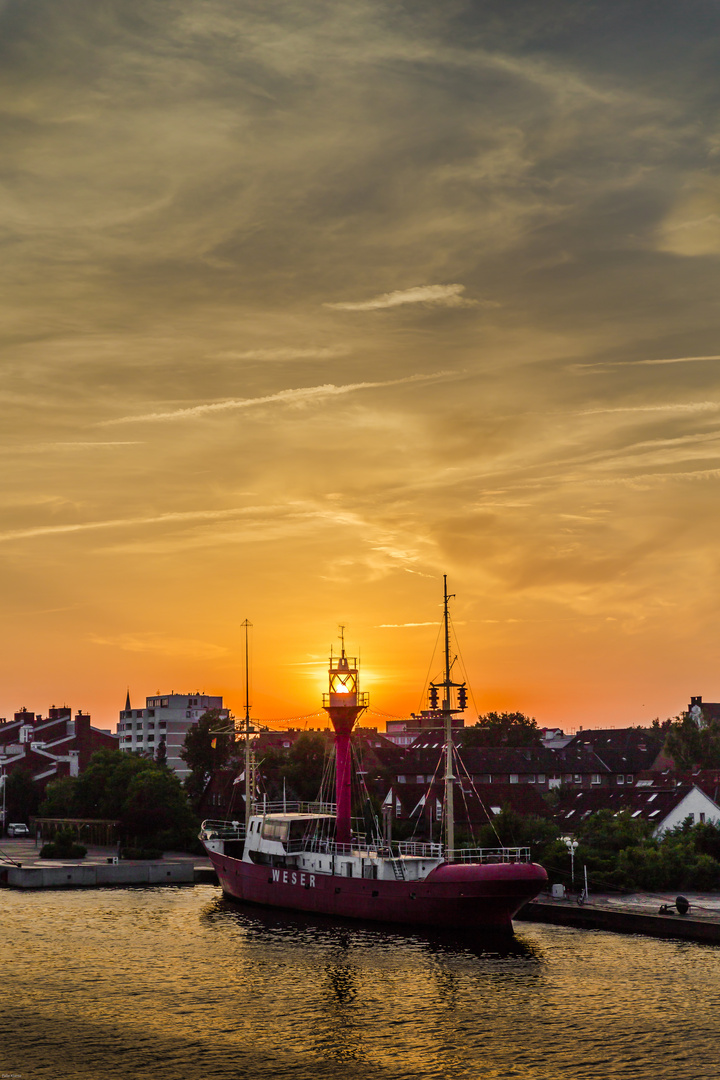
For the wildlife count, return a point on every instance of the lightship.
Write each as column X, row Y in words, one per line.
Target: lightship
column 307, row 857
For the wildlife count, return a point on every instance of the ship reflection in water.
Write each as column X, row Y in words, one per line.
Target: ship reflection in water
column 179, row 983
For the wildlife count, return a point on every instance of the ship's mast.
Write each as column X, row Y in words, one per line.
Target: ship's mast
column 248, row 787
column 343, row 704
column 448, row 714
column 454, row 700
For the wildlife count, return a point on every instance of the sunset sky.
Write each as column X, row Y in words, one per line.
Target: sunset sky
column 306, row 304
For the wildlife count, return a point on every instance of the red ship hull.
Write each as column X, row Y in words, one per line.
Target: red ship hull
column 454, row 895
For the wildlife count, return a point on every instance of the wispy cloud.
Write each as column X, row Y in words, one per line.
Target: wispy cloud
column 155, row 642
column 645, row 480
column 43, row 448
column 403, row 625
column 279, row 355
column 121, row 523
column 442, row 295
column 680, row 407
column 303, row 395
column 641, row 363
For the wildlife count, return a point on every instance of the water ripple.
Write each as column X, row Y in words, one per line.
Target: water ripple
column 178, row 983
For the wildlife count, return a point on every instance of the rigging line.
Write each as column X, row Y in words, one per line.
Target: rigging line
column 327, row 774
column 361, row 784
column 465, row 803
column 432, row 660
column 285, row 719
column 428, row 794
column 462, row 662
column 479, row 799
column 429, row 791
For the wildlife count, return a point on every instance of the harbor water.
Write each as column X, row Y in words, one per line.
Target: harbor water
column 176, row 982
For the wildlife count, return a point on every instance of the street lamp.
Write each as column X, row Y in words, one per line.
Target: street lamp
column 571, row 846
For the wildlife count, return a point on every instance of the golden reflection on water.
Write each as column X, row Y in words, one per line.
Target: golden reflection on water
column 177, row 982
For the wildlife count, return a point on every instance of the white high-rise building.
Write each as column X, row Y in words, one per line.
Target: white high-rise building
column 165, row 718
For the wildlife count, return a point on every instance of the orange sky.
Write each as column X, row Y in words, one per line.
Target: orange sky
column 307, row 305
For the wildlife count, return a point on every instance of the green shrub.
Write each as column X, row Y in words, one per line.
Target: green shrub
column 140, row 853
column 63, row 846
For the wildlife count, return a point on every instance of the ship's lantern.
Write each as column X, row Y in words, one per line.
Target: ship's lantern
column 343, row 682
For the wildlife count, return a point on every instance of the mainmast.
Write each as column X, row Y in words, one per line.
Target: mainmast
column 451, row 704
column 343, row 704
column 248, row 792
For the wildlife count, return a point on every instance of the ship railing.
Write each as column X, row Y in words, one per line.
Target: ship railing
column 488, row 855
column 420, row 851
column 294, row 807
column 222, row 830
column 367, row 848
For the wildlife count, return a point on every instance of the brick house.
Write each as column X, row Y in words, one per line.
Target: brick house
column 51, row 747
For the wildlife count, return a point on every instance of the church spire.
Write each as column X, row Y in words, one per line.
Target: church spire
column 127, row 701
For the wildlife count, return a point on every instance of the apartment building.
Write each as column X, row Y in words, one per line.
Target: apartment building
column 166, row 719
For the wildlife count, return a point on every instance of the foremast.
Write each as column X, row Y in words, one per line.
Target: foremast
column 344, row 704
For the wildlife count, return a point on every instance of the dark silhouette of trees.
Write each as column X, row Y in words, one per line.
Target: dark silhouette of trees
column 502, row 729
column 209, row 745
column 692, row 742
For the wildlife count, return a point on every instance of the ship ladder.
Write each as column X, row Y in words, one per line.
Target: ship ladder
column 398, row 869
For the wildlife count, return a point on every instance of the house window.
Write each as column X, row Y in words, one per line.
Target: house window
column 541, row 778
column 151, row 712
column 401, row 779
column 150, row 727
column 151, row 738
column 596, row 778
column 138, row 727
column 621, row 779
column 513, row 778
column 139, row 738
column 702, row 818
column 162, row 724
column 568, row 778
column 420, row 779
column 577, row 778
column 629, row 779
column 531, row 778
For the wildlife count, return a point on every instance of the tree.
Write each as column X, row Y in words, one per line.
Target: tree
column 60, row 798
column 511, row 829
column 102, row 789
column 208, row 746
column 156, row 803
column 306, row 764
column 502, row 729
column 161, row 753
column 21, row 796
column 693, row 743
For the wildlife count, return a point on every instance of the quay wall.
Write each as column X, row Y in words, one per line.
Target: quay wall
column 96, row 876
column 622, row 921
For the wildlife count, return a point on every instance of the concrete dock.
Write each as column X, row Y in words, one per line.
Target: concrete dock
column 637, row 913
column 22, row 868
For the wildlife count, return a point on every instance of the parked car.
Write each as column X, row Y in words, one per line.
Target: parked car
column 18, row 830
